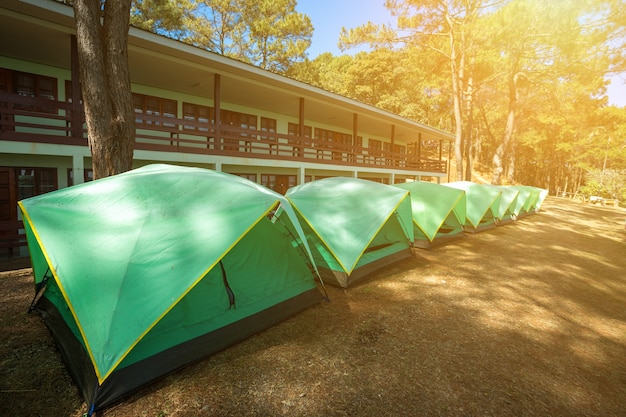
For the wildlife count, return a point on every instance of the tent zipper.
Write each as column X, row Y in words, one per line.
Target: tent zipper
column 231, row 294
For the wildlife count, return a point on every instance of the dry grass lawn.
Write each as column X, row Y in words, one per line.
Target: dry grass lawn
column 528, row 319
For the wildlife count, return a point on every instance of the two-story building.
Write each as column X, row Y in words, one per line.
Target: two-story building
column 194, row 108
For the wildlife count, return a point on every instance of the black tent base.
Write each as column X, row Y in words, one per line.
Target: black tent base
column 438, row 241
column 525, row 214
column 341, row 279
column 481, row 227
column 124, row 381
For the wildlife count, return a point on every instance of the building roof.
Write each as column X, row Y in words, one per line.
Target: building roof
column 39, row 31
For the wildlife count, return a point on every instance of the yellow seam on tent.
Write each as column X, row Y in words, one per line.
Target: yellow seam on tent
column 439, row 227
column 442, row 221
column 184, row 294
column 452, row 211
column 379, row 229
column 423, row 231
column 508, row 208
column 295, row 207
column 58, row 281
column 298, row 228
column 447, row 215
column 410, row 236
column 456, row 203
column 488, row 208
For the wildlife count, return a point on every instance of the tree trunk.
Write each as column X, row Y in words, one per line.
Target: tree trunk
column 469, row 129
column 502, row 153
column 456, row 67
column 102, row 36
column 510, row 170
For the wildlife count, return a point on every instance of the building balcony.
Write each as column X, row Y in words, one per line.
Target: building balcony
column 38, row 120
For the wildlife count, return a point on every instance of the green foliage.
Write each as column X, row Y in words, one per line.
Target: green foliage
column 270, row 34
column 607, row 184
column 166, row 17
column 277, row 35
column 528, row 77
column 530, row 73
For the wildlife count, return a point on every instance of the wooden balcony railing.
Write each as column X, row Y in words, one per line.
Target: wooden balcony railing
column 12, row 238
column 27, row 119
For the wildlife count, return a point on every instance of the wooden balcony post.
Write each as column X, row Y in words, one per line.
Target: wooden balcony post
column 419, row 147
column 76, row 120
column 300, row 137
column 393, row 141
column 217, row 97
column 355, row 134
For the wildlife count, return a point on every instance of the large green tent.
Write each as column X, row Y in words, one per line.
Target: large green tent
column 147, row 271
column 354, row 226
column 438, row 212
column 483, row 204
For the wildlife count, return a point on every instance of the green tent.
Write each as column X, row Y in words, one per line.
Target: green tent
column 438, row 212
column 542, row 194
column 354, row 226
column 508, row 202
column 147, row 271
column 483, row 204
column 534, row 198
column 524, row 200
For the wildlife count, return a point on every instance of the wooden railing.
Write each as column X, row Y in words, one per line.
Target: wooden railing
column 27, row 119
column 12, row 237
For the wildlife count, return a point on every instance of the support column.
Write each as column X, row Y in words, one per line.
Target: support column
column 217, row 98
column 392, row 178
column 393, row 141
column 419, row 147
column 218, row 166
column 76, row 117
column 301, row 176
column 300, row 145
column 78, row 169
column 355, row 134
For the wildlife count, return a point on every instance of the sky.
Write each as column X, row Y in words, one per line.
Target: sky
column 329, row 16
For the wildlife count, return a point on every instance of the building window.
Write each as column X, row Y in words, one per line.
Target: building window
column 68, row 92
column 5, row 81
column 251, row 177
column 155, row 107
column 37, row 87
column 279, row 183
column 294, row 129
column 399, row 149
column 241, row 120
column 332, row 136
column 268, row 125
column 35, row 181
column 200, row 115
column 268, row 181
column 375, row 145
column 87, row 176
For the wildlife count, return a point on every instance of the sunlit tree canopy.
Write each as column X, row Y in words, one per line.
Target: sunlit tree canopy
column 522, row 84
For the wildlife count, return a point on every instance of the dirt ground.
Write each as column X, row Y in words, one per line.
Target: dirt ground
column 528, row 319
